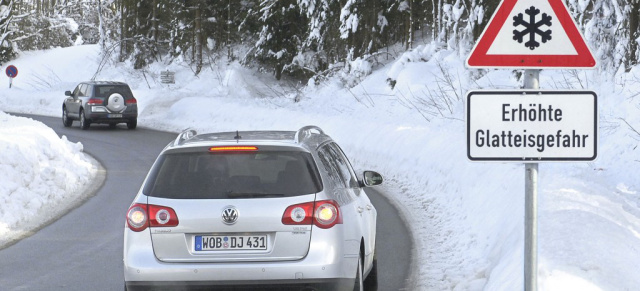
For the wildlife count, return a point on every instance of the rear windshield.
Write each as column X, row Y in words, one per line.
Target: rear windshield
column 233, row 175
column 107, row 90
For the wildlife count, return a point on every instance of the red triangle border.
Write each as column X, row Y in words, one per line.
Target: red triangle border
column 479, row 57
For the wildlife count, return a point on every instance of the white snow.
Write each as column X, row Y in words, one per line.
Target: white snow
column 72, row 25
column 466, row 218
column 43, row 176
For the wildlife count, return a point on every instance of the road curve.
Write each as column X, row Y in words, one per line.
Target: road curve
column 83, row 249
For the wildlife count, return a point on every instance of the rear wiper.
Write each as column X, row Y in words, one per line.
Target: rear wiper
column 232, row 194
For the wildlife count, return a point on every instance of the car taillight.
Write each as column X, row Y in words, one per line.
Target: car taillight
column 160, row 216
column 95, row 101
column 324, row 214
column 130, row 101
column 141, row 216
column 327, row 214
column 137, row 217
column 300, row 214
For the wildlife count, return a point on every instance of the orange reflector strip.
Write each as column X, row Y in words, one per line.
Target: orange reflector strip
column 233, row 148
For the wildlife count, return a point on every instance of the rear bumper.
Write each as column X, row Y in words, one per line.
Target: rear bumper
column 325, row 267
column 104, row 118
column 275, row 285
column 129, row 114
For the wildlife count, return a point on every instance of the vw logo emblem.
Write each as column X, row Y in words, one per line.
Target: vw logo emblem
column 229, row 215
column 116, row 99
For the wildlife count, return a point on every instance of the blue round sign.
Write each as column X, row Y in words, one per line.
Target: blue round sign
column 11, row 71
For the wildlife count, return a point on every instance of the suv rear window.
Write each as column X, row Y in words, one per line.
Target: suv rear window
column 107, row 90
column 188, row 175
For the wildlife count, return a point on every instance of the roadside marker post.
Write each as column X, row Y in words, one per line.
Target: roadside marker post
column 531, row 35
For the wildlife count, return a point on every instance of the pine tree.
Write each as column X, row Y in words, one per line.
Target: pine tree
column 320, row 41
column 281, row 34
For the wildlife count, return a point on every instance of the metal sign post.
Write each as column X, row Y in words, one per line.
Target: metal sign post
column 531, row 81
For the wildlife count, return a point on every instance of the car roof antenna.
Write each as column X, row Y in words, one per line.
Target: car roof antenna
column 237, row 137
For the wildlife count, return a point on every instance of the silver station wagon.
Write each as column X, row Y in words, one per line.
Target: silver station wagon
column 252, row 209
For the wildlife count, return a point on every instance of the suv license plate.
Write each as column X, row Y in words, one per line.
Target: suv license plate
column 230, row 242
column 114, row 115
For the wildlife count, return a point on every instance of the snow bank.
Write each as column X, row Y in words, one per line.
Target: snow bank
column 42, row 175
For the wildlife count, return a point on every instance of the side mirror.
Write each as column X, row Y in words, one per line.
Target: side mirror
column 67, row 93
column 371, row 178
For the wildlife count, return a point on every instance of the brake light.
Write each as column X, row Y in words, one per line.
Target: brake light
column 327, row 214
column 131, row 101
column 137, row 217
column 324, row 214
column 141, row 216
column 95, row 101
column 233, row 149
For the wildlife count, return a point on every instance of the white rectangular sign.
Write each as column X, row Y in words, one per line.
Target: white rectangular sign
column 532, row 126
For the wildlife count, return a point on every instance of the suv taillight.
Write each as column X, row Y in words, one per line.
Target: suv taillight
column 141, row 216
column 324, row 214
column 131, row 101
column 95, row 101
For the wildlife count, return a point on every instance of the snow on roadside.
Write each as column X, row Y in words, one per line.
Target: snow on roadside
column 43, row 175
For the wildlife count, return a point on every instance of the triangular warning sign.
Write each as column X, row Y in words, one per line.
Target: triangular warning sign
column 531, row 34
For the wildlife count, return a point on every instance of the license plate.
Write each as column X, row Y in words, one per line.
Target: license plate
column 114, row 115
column 230, row 242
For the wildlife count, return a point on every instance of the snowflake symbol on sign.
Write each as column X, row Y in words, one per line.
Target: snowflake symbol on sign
column 532, row 28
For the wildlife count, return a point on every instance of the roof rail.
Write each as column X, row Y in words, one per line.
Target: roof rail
column 185, row 135
column 305, row 132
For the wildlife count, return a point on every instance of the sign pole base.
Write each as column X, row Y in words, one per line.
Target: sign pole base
column 531, row 227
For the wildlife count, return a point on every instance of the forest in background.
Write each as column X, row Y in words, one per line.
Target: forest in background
column 301, row 38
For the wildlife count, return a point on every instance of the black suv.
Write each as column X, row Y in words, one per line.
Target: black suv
column 100, row 102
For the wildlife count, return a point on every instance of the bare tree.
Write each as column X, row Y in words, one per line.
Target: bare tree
column 103, row 36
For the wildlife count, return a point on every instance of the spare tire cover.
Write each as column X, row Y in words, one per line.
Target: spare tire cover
column 115, row 102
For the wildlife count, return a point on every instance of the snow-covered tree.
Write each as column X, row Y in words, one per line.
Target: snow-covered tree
column 6, row 48
column 611, row 27
column 313, row 55
column 281, row 35
column 300, row 37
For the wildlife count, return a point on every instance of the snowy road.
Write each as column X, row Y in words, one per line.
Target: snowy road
column 83, row 249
